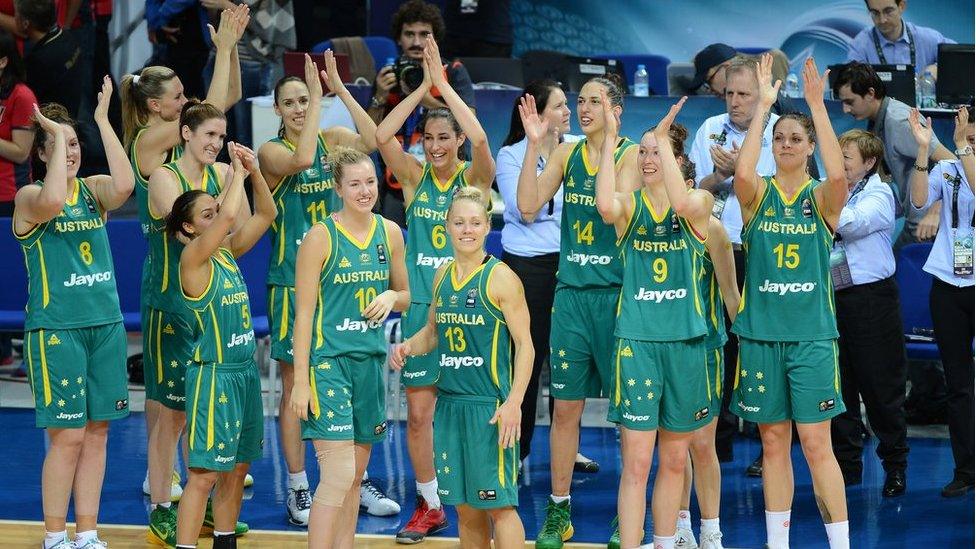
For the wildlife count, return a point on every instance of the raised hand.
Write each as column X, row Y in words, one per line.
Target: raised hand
column 536, row 127
column 247, row 157
column 104, row 98
column 48, row 125
column 331, row 73
column 664, row 126
column 922, row 133
column 959, row 134
column 611, row 119
column 312, row 79
column 814, row 85
column 768, row 90
column 432, row 60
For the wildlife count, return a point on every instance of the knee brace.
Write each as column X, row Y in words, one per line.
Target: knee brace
column 337, row 471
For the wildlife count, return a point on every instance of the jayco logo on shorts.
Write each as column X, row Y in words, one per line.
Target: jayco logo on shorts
column 414, row 375
column 339, row 428
column 585, row 259
column 559, row 385
column 240, row 339
column 783, row 288
column 456, row 362
column 745, row 408
column 658, row 296
column 176, row 398
column 88, row 280
column 349, row 325
column 431, row 261
column 632, row 417
column 63, row 415
column 224, row 459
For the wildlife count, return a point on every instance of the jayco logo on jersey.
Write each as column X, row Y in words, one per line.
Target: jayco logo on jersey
column 88, row 280
column 585, row 259
column 456, row 362
column 349, row 325
column 63, row 415
column 430, row 261
column 339, row 428
column 783, row 288
column 240, row 339
column 658, row 296
column 632, row 417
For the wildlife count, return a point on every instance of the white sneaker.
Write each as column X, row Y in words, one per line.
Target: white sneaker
column 375, row 502
column 63, row 544
column 299, row 504
column 685, row 539
column 711, row 541
column 93, row 543
column 248, row 480
column 175, row 492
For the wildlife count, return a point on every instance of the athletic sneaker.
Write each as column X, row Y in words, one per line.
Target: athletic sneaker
column 240, row 528
column 584, row 464
column 63, row 544
column 298, row 505
column 424, row 522
column 685, row 539
column 614, row 542
column 248, row 480
column 557, row 528
column 93, row 543
column 175, row 492
column 162, row 526
column 375, row 502
column 711, row 541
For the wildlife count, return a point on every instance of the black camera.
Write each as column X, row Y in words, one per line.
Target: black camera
column 409, row 73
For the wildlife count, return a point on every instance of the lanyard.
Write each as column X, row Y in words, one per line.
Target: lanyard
column 857, row 188
column 881, row 55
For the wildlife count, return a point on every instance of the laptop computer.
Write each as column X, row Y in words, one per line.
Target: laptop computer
column 899, row 80
column 294, row 65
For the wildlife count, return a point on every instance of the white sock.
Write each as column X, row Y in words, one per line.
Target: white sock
column 559, row 499
column 298, row 481
column 53, row 538
column 164, row 505
column 684, row 519
column 778, row 529
column 82, row 538
column 709, row 526
column 428, row 490
column 838, row 535
column 217, row 534
column 664, row 542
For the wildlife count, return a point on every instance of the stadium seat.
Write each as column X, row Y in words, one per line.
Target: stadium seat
column 914, row 285
column 752, row 50
column 496, row 70
column 656, row 65
column 13, row 291
column 381, row 47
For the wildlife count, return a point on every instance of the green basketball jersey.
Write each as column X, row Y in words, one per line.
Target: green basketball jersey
column 303, row 199
column 659, row 299
column 142, row 184
column 162, row 286
column 588, row 256
column 712, row 298
column 472, row 338
column 352, row 276
column 788, row 294
column 69, row 266
column 428, row 246
column 222, row 326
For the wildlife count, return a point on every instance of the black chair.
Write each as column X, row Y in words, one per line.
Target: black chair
column 496, row 70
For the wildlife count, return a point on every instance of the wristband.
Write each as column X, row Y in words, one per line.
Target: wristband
column 921, row 168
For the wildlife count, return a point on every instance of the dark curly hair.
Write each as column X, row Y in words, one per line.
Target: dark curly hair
column 418, row 11
column 861, row 77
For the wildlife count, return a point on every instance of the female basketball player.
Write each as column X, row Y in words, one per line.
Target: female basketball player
column 152, row 102
column 171, row 324
column 661, row 386
column 588, row 282
column 223, row 386
column 427, row 190
column 74, row 341
column 479, row 312
column 349, row 272
column 787, row 368
column 295, row 166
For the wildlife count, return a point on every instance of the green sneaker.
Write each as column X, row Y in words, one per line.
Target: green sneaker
column 557, row 527
column 162, row 526
column 614, row 542
column 208, row 521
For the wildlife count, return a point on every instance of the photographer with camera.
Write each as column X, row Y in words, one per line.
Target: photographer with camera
column 412, row 24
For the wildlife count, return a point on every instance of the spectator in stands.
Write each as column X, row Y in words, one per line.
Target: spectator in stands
column 478, row 29
column 709, row 65
column 53, row 56
column 872, row 341
column 894, row 41
column 9, row 23
column 181, row 41
column 412, row 24
column 951, row 264
column 270, row 32
column 16, row 129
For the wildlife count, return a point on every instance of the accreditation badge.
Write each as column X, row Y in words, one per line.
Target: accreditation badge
column 962, row 253
column 840, row 269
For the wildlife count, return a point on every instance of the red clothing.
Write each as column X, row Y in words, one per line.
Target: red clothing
column 102, row 7
column 16, row 111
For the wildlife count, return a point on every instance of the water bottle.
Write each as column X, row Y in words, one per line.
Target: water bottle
column 926, row 91
column 641, row 87
column 390, row 61
column 793, row 86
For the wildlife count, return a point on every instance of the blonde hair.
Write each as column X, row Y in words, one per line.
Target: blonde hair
column 340, row 157
column 868, row 144
column 469, row 194
column 136, row 91
column 195, row 113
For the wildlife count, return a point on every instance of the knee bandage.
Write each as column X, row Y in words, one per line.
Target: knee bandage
column 337, row 471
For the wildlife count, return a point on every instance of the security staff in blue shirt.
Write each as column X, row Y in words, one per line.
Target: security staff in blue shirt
column 871, row 343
